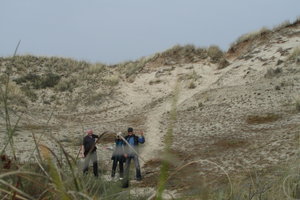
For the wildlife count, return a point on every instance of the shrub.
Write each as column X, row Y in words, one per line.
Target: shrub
column 66, row 84
column 134, row 67
column 39, row 82
column 27, row 78
column 282, row 25
column 223, row 63
column 15, row 95
column 192, row 85
column 29, row 93
column 273, row 72
column 111, row 80
column 95, row 99
column 48, row 80
column 215, row 53
column 253, row 35
column 190, row 76
column 95, row 68
column 295, row 55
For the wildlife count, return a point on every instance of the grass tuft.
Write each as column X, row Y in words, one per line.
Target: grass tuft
column 295, row 55
column 261, row 119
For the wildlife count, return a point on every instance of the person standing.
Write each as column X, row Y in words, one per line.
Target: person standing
column 131, row 150
column 89, row 152
column 118, row 156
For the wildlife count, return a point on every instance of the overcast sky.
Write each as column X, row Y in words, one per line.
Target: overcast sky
column 112, row 31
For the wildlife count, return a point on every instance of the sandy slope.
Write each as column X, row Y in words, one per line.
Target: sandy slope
column 212, row 117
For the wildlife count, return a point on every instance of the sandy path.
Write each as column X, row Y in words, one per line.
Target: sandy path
column 154, row 135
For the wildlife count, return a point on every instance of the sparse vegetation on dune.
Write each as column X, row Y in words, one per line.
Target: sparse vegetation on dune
column 228, row 134
column 245, row 42
column 295, row 56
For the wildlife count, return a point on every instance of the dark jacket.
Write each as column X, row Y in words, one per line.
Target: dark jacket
column 119, row 150
column 89, row 143
column 137, row 140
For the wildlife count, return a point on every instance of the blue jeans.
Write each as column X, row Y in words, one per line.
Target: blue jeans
column 136, row 164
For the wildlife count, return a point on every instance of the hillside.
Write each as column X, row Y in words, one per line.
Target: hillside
column 236, row 111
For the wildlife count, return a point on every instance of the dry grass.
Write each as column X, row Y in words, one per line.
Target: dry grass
column 223, row 63
column 182, row 54
column 95, row 68
column 295, row 55
column 282, row 25
column 192, row 85
column 273, row 72
column 246, row 41
column 261, row 119
column 111, row 80
column 95, row 98
column 231, row 143
column 215, row 53
column 67, row 84
column 193, row 76
column 156, row 81
column 252, row 36
column 297, row 104
column 39, row 81
column 30, row 126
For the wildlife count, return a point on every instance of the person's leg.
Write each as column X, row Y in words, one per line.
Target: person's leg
column 127, row 169
column 95, row 163
column 86, row 163
column 114, row 166
column 137, row 168
column 121, row 168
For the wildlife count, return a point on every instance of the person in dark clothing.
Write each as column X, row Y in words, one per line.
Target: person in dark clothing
column 89, row 152
column 131, row 153
column 118, row 156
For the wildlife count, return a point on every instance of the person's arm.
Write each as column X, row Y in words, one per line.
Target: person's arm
column 141, row 138
column 82, row 151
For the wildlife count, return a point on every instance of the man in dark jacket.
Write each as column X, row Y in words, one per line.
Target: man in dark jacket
column 131, row 153
column 89, row 151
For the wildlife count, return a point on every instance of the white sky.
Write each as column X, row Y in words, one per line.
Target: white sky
column 112, row 31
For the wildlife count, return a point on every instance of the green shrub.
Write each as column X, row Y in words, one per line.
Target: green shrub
column 39, row 82
column 49, row 80
column 27, row 78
